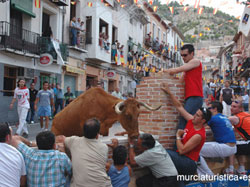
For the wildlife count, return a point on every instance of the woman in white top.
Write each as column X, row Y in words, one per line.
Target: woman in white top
column 22, row 96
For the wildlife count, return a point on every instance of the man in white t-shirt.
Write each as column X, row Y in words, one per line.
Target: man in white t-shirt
column 89, row 157
column 226, row 98
column 22, row 95
column 12, row 166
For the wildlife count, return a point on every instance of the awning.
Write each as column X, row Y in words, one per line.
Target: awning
column 72, row 69
column 23, row 7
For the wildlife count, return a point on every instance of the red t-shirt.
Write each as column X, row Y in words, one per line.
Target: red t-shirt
column 189, row 132
column 193, row 82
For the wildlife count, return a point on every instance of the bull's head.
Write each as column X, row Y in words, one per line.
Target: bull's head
column 129, row 111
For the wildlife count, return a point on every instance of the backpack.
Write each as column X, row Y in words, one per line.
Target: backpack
column 227, row 95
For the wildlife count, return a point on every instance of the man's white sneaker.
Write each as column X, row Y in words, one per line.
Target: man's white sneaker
column 32, row 122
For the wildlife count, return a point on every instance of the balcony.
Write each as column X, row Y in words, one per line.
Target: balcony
column 60, row 2
column 81, row 40
column 18, row 39
column 148, row 41
column 46, row 46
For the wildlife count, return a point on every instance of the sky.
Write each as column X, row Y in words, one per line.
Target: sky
column 227, row 6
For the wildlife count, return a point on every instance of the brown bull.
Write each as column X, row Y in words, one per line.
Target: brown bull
column 96, row 103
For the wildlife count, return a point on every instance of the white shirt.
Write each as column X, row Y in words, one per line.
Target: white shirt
column 118, row 95
column 158, row 160
column 89, row 157
column 22, row 96
column 12, row 166
column 245, row 98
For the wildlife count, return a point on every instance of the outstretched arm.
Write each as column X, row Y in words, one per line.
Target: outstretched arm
column 176, row 103
column 186, row 67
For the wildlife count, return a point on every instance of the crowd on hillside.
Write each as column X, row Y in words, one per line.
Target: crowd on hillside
column 86, row 162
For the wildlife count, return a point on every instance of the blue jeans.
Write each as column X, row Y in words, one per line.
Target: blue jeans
column 192, row 104
column 59, row 103
column 245, row 105
column 74, row 36
column 31, row 112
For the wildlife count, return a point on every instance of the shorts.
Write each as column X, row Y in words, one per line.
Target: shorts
column 243, row 148
column 44, row 111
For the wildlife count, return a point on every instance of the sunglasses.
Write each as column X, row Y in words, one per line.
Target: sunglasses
column 237, row 102
column 184, row 55
column 204, row 112
column 209, row 108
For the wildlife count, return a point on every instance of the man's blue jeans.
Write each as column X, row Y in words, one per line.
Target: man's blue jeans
column 31, row 112
column 192, row 104
column 74, row 36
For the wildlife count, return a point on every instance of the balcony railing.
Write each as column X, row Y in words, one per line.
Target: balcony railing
column 81, row 38
column 148, row 41
column 46, row 46
column 19, row 39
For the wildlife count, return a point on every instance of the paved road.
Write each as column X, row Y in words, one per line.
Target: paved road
column 34, row 129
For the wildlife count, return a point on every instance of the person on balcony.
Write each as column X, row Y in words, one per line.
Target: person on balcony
column 156, row 44
column 101, row 36
column 73, row 30
column 148, row 39
column 113, row 51
column 130, row 57
column 106, row 44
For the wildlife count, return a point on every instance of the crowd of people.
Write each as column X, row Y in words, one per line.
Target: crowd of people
column 86, row 162
column 44, row 101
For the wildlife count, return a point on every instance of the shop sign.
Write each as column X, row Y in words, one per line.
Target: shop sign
column 45, row 59
column 111, row 74
column 74, row 70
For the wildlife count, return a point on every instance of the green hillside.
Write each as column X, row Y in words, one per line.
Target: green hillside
column 191, row 24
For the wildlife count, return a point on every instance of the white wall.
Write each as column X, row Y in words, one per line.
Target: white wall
column 4, row 13
column 170, row 38
column 22, row 61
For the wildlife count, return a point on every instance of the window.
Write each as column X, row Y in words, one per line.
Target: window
column 72, row 10
column 114, row 34
column 154, row 31
column 89, row 30
column 164, row 37
column 148, row 28
column 9, row 85
column 159, row 34
column 16, row 23
column 103, row 27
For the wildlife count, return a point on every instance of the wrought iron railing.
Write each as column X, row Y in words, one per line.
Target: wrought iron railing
column 14, row 37
column 46, row 46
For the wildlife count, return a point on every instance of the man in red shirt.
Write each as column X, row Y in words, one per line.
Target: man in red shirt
column 190, row 140
column 192, row 70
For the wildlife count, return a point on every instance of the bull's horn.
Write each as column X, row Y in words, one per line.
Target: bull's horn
column 149, row 107
column 117, row 107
